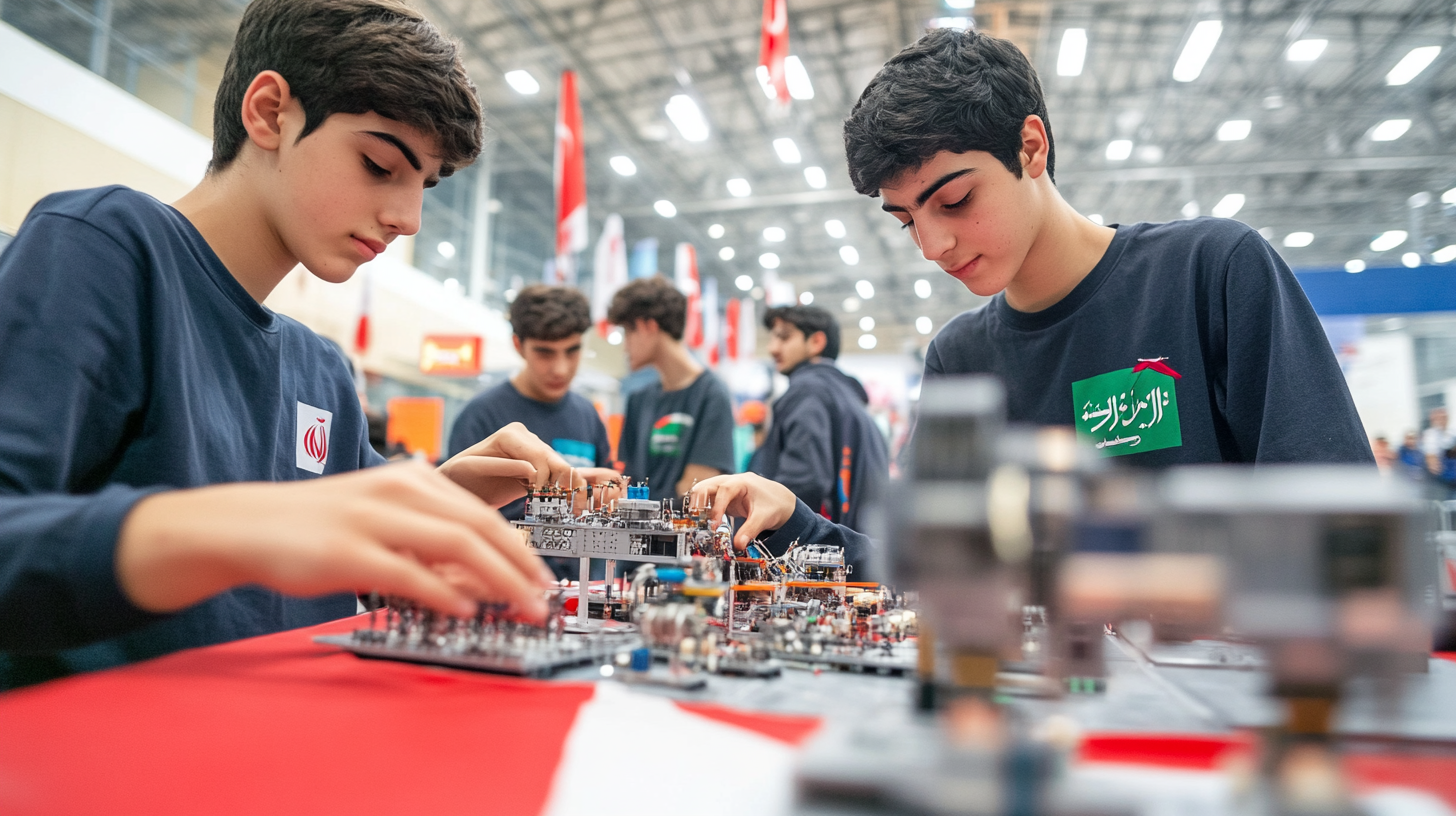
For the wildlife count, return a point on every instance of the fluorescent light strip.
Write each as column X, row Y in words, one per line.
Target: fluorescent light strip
column 1197, row 50
column 1073, row 52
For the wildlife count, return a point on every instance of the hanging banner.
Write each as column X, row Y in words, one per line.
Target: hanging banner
column 747, row 330
column 712, row 321
column 609, row 270
column 773, row 48
column 570, row 182
column 643, row 263
column 730, row 328
column 685, row 276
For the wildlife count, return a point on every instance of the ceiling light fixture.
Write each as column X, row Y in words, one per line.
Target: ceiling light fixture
column 816, row 178
column 687, row 118
column 716, row 231
column 1412, row 64
column 1235, row 130
column 1411, row 259
column 924, row 325
column 1228, row 206
column 797, row 78
column 849, row 255
column 1095, row 218
column 835, row 227
column 726, row 254
column 851, row 304
column 743, row 282
column 739, row 188
column 1119, row 149
column 806, row 298
column 523, row 82
column 1388, row 240
column 922, row 289
column 1445, row 254
column 1197, row 50
column 1073, row 52
column 664, row 208
column 623, row 165
column 1298, row 239
column 867, row 341
column 787, row 150
column 865, row 289
column 1306, row 50
column 1389, row 130
column 768, row 260
column 774, row 234
column 866, row 323
column 1355, row 266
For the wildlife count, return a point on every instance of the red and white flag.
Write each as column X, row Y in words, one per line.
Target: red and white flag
column 609, row 270
column 685, row 277
column 773, row 49
column 570, row 182
column 730, row 328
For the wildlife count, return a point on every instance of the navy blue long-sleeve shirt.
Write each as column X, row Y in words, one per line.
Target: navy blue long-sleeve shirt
column 131, row 361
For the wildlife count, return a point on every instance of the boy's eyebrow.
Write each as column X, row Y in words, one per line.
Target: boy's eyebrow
column 409, row 155
column 930, row 189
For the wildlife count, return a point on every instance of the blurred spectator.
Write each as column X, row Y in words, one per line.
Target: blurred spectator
column 1384, row 456
column 1436, row 440
column 379, row 437
column 1410, row 458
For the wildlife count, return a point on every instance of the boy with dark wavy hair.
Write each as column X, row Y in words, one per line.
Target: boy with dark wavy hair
column 547, row 324
column 1179, row 343
column 179, row 465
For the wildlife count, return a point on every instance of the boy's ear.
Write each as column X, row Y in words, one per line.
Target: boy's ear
column 1033, row 146
column 520, row 347
column 816, row 343
column 264, row 105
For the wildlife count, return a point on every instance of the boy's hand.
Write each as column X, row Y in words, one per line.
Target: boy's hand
column 399, row 529
column 497, row 483
column 761, row 503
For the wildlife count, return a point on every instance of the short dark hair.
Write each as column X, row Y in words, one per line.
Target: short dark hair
column 808, row 319
column 951, row 90
column 650, row 299
column 542, row 312
column 351, row 56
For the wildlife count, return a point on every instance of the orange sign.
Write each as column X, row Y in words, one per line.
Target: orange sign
column 418, row 423
column 451, row 355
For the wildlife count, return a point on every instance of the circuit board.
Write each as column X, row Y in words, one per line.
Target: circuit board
column 525, row 657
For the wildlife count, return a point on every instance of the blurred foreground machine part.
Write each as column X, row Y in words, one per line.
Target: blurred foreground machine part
column 1327, row 572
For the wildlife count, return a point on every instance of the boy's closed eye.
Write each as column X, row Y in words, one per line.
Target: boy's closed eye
column 374, row 168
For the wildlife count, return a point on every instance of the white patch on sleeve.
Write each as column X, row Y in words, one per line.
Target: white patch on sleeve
column 312, row 435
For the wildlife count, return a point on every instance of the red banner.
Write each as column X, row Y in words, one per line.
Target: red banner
column 570, row 181
column 774, row 46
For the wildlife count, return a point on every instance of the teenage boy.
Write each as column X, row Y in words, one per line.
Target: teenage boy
column 1178, row 343
column 140, row 372
column 679, row 430
column 547, row 323
column 822, row 443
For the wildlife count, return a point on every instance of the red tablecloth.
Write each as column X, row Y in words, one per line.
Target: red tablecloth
column 280, row 724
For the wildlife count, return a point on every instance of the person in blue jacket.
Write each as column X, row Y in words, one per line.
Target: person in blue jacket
column 1162, row 344
column 822, row 444
column 180, row 465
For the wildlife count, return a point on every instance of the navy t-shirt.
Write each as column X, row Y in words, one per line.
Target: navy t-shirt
column 665, row 431
column 134, row 362
column 1249, row 369
column 571, row 426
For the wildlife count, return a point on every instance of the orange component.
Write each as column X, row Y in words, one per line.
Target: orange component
column 753, row 587
column 826, row 584
column 614, row 434
column 418, row 423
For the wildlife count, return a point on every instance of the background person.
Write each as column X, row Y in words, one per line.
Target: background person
column 821, row 442
column 679, row 430
column 547, row 324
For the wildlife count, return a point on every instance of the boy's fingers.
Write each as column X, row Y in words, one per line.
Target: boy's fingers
column 438, row 496
column 389, row 573
column 435, row 540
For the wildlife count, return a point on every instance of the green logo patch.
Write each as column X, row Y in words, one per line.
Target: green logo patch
column 1131, row 410
column 667, row 434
